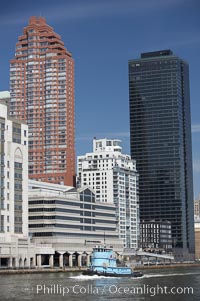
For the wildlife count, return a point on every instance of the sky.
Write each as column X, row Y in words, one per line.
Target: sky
column 102, row 36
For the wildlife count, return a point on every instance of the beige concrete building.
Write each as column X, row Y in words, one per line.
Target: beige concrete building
column 197, row 238
column 71, row 221
column 197, row 208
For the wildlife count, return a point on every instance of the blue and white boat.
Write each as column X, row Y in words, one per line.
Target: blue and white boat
column 104, row 263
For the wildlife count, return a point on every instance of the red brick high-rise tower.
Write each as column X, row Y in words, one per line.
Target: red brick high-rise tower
column 42, row 93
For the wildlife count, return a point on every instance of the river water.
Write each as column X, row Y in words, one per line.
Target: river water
column 169, row 284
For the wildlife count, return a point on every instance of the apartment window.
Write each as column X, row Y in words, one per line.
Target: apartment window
column 1, row 223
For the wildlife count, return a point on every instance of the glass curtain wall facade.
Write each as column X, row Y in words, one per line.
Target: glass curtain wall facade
column 42, row 93
column 160, row 138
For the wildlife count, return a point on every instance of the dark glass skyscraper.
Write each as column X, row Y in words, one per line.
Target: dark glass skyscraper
column 160, row 133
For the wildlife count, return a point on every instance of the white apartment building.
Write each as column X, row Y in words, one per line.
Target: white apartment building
column 16, row 251
column 13, row 188
column 14, row 175
column 114, row 178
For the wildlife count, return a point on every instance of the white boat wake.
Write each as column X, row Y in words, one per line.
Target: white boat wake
column 94, row 277
column 165, row 275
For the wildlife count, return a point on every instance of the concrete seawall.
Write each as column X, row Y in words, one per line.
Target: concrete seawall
column 78, row 269
column 39, row 270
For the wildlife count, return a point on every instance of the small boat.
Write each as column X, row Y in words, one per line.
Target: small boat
column 104, row 263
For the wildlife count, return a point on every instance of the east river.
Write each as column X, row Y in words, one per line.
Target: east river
column 162, row 284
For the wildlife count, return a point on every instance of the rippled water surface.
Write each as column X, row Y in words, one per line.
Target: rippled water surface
column 170, row 284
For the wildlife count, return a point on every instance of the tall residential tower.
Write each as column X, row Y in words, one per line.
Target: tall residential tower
column 160, row 132
column 42, row 93
column 114, row 178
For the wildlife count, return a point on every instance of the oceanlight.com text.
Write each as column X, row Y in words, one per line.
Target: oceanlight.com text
column 57, row 289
